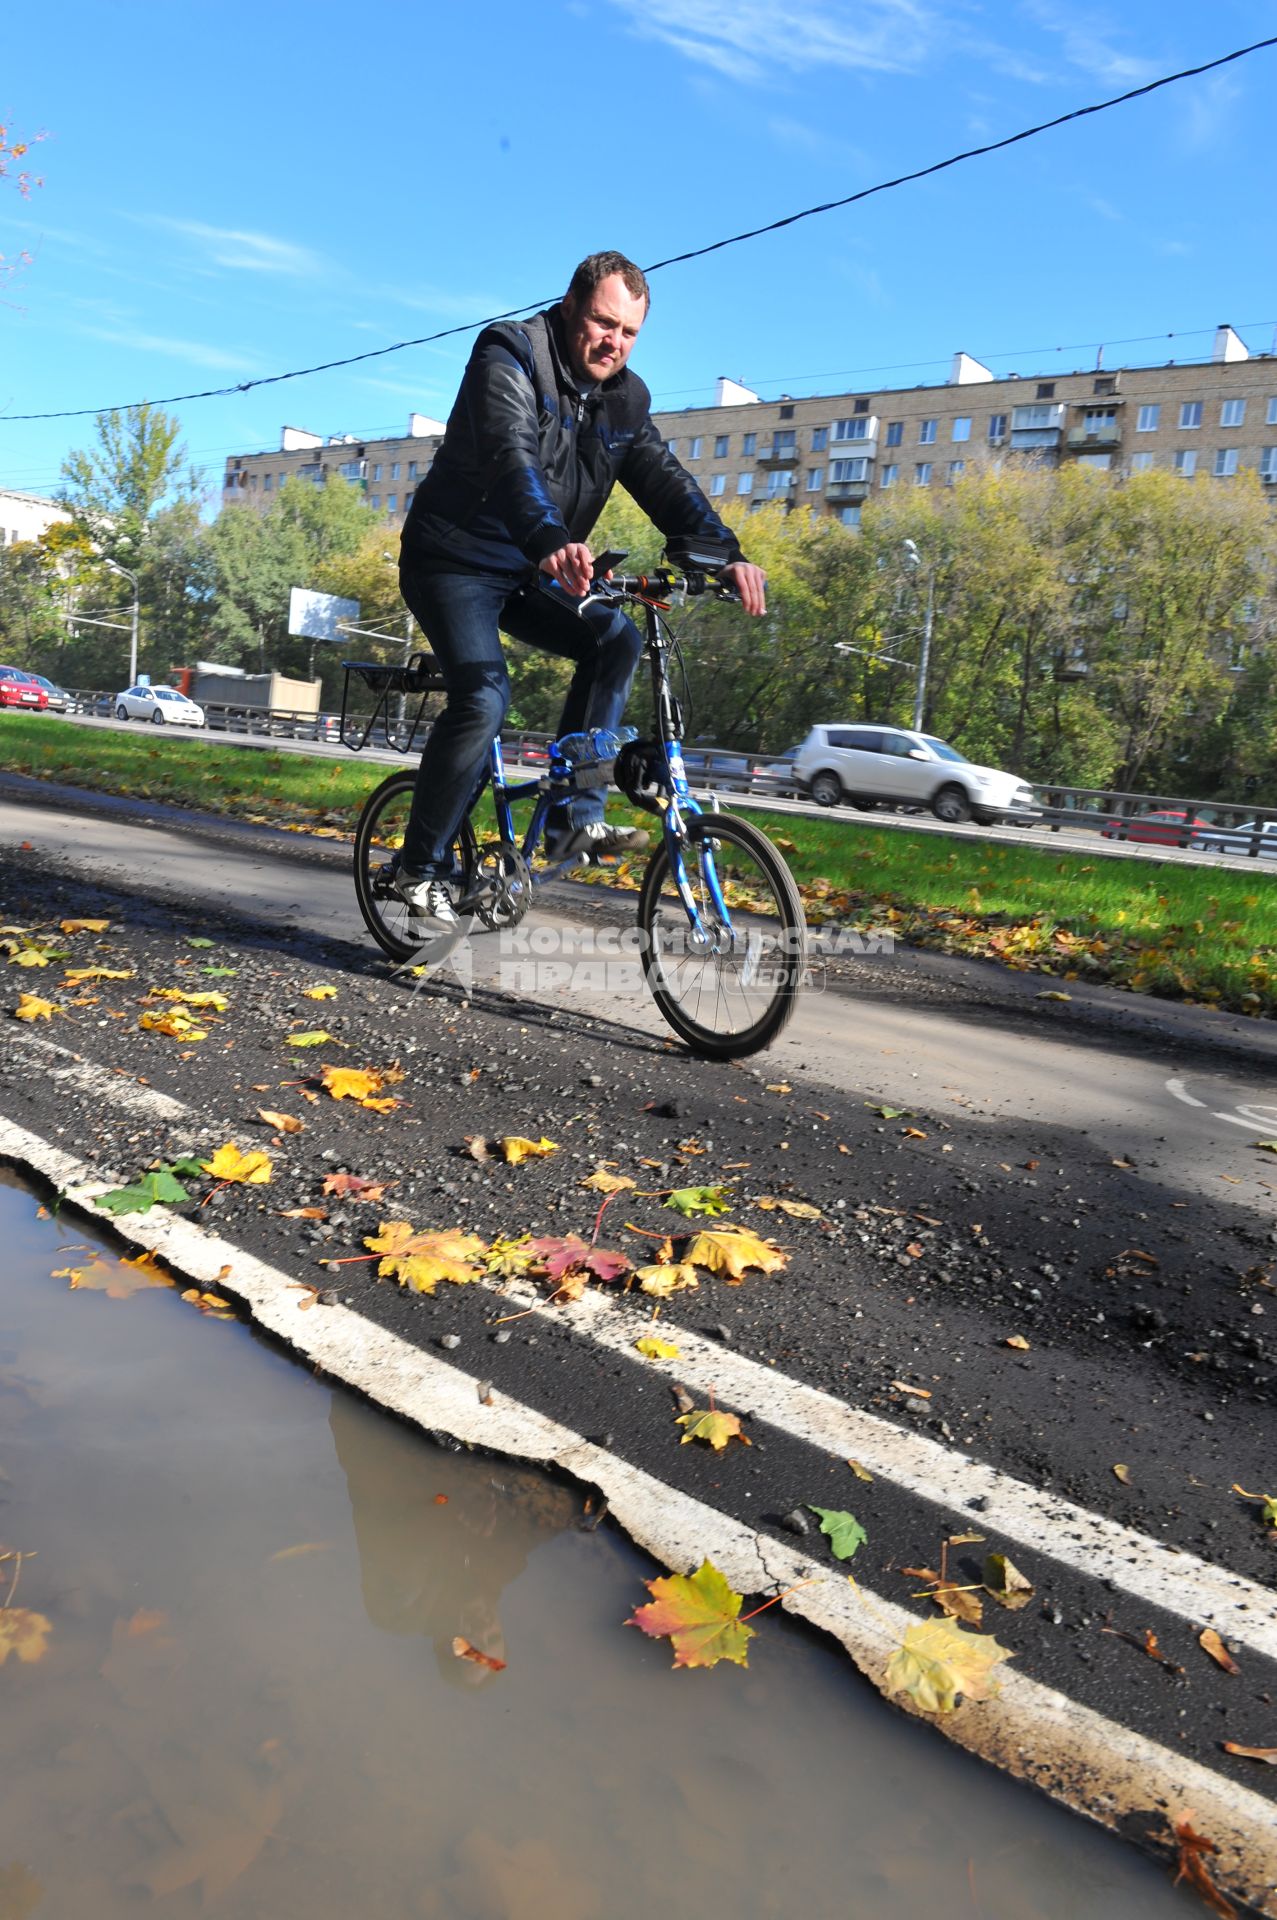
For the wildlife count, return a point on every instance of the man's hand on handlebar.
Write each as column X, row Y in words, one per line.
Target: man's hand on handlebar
column 749, row 583
column 572, row 566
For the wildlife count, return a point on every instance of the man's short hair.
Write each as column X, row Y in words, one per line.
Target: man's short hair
column 601, row 266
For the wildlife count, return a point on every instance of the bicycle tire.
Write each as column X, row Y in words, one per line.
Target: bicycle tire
column 770, row 910
column 378, row 837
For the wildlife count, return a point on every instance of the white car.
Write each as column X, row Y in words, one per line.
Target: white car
column 163, row 706
column 870, row 765
column 1250, row 837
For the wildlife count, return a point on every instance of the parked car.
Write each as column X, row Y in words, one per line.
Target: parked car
column 1164, row 827
column 19, row 689
column 59, row 700
column 163, row 706
column 870, row 766
column 1249, row 836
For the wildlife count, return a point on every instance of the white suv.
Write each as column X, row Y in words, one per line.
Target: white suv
column 893, row 765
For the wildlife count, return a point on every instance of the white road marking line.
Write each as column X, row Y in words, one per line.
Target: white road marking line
column 1097, row 1766
column 1042, row 1523
column 1178, row 1089
column 1244, row 1116
column 71, row 1069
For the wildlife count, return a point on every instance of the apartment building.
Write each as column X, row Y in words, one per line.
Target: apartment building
column 25, row 516
column 1202, row 419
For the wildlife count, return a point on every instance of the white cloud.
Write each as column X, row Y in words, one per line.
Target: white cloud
column 754, row 39
column 1087, row 41
column 242, row 250
column 194, row 352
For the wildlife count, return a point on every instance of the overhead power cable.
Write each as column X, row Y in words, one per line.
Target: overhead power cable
column 693, row 253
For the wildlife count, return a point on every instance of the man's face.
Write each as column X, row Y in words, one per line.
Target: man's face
column 603, row 328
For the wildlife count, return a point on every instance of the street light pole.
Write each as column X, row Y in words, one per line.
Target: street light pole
column 928, row 620
column 132, row 579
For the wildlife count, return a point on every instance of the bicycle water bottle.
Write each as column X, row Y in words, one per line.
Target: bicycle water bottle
column 592, row 748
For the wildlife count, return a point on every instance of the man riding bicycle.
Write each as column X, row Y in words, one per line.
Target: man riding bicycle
column 548, row 418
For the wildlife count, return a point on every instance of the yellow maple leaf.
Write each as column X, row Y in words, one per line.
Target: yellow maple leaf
column 938, row 1660
column 24, row 1633
column 667, row 1277
column 324, row 992
column 83, row 926
column 31, row 1007
column 239, row 1169
column 215, row 1002
column 733, row 1250
column 309, row 1039
column 422, row 1260
column 177, row 1023
column 77, row 976
column 386, row 1105
column 514, row 1148
column 350, row 1083
column 510, row 1257
column 712, row 1425
column 797, row 1209
column 604, row 1182
column 31, row 956
column 282, row 1122
column 653, row 1349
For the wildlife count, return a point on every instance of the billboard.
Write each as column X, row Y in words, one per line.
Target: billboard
column 319, row 616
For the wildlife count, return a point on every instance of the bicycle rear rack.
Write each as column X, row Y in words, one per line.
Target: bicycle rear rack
column 417, row 678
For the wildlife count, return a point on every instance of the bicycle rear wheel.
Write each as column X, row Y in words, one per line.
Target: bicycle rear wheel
column 728, row 987
column 378, row 839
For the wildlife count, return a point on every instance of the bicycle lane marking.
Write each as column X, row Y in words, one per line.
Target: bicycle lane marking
column 1249, row 1117
column 1086, row 1542
column 1097, row 1766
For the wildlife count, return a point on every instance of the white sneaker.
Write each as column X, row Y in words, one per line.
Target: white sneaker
column 594, row 842
column 429, row 902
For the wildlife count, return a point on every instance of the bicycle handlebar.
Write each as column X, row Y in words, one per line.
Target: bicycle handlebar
column 661, row 584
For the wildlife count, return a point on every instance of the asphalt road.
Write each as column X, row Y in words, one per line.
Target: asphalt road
column 1081, row 1178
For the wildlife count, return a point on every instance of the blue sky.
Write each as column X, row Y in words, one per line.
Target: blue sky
column 236, row 189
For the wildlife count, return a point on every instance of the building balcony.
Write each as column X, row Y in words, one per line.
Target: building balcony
column 769, row 455
column 1084, row 438
column 848, row 490
column 1034, row 439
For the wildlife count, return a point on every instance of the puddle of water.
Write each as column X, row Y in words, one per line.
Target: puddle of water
column 249, row 1704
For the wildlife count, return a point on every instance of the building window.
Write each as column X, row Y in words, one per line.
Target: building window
column 718, row 484
column 1141, row 462
column 1107, row 383
column 376, row 472
column 1046, row 389
column 851, row 429
column 787, row 413
column 1148, row 418
column 694, row 450
column 745, row 484
column 412, row 469
column 861, row 406
column 1268, row 461
column 1186, row 462
column 926, row 432
column 962, row 428
column 268, row 481
column 1225, row 462
column 394, row 471
column 820, row 438
column 890, row 475
column 1101, row 460
column 922, row 474
column 374, row 501
column 848, row 470
column 749, row 445
column 850, row 516
column 671, row 446
column 895, row 432
column 721, row 443
column 392, row 503
column 815, row 476
column 956, row 469
column 997, row 427
column 1190, row 413
column 779, row 482
column 783, row 441
column 1101, row 420
column 1232, row 413
column 1272, row 411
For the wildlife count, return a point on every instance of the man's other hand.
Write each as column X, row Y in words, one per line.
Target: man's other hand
column 573, row 567
column 749, row 584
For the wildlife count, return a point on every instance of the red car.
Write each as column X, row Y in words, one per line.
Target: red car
column 1169, row 829
column 18, row 689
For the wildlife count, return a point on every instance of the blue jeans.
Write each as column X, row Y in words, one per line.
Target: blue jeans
column 460, row 614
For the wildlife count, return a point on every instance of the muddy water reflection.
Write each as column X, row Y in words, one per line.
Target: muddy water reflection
column 249, row 1705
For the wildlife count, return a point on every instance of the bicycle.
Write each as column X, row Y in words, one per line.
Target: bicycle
column 721, row 925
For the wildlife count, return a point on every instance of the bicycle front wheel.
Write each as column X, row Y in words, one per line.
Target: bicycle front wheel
column 378, row 840
column 724, row 942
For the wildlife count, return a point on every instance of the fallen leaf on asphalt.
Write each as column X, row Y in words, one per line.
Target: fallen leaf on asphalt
column 239, row 1169
column 779, row 1086
column 514, row 1149
column 317, row 1039
column 31, row 1007
column 1211, row 1643
column 1267, row 1754
column 319, row 993
column 902, row 1386
column 1123, row 1473
column 353, row 1186
column 653, row 1349
column 1127, row 1166
column 842, row 1529
column 733, row 1251
column 1192, row 1850
column 215, row 1002
column 1147, row 1644
column 79, row 976
column 693, row 1200
column 937, row 1662
column 1018, row 1341
column 158, row 1188
column 912, row 1133
column 699, row 1613
column 861, row 1472
column 464, row 1651
column 556, row 1257
column 604, row 1182
column 1003, row 1579
column 282, row 1122
column 1053, row 994
column 24, row 1633
column 421, row 1260
column 1269, row 1146
column 83, row 926
column 887, row 1113
column 796, row 1209
column 198, row 940
column 667, row 1277
column 303, row 1213
column 511, row 1257
column 176, row 1023
column 958, row 1602
column 712, row 1425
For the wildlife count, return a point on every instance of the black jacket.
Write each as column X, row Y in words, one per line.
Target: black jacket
column 523, row 470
